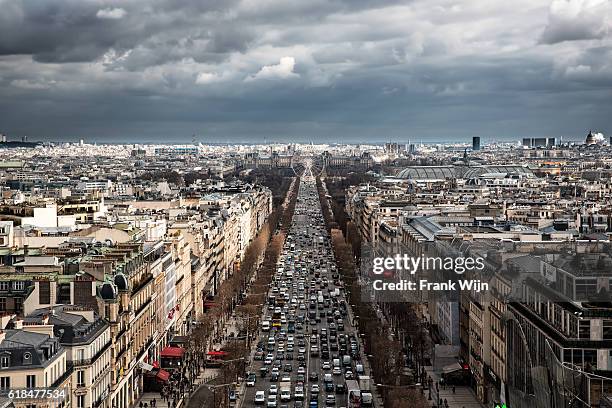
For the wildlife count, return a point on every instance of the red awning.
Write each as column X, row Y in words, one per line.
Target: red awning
column 217, row 353
column 176, row 352
column 156, row 364
column 163, row 375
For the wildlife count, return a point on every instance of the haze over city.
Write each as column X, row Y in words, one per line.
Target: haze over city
column 287, row 70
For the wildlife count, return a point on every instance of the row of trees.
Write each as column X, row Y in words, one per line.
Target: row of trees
column 256, row 273
column 386, row 351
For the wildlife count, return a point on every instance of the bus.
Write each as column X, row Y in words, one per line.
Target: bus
column 276, row 317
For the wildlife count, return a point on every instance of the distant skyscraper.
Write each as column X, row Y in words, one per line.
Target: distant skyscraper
column 2, row 138
column 539, row 142
column 552, row 142
column 476, row 143
column 24, row 138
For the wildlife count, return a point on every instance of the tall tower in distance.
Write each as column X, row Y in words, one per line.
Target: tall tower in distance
column 475, row 143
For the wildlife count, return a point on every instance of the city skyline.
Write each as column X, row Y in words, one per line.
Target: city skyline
column 285, row 71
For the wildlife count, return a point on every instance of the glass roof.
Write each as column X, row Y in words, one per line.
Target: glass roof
column 448, row 172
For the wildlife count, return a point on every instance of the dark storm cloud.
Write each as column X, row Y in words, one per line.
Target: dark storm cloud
column 80, row 31
column 304, row 70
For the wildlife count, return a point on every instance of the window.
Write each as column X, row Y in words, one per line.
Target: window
column 80, row 378
column 5, row 361
column 81, row 401
column 30, row 381
column 19, row 285
column 44, row 292
column 5, row 382
column 4, row 285
column 607, row 329
column 584, row 329
column 18, row 304
column 2, row 304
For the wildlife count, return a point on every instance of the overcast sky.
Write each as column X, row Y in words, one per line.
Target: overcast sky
column 302, row 70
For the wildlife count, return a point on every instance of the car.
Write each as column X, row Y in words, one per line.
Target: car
column 251, row 380
column 329, row 387
column 337, row 371
column 273, row 389
column 314, row 389
column 326, row 365
column 271, row 401
column 288, row 368
column 330, row 400
column 349, row 375
column 298, row 393
column 260, row 398
column 285, row 395
column 340, row 388
column 301, row 370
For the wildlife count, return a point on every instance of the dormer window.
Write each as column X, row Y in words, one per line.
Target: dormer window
column 27, row 358
column 5, row 361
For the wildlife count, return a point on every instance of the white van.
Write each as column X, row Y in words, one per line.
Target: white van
column 265, row 325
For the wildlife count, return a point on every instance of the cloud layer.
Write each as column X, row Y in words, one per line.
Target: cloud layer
column 328, row 70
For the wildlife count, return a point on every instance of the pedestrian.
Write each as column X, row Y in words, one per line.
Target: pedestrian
column 140, row 404
column 453, row 389
column 153, row 403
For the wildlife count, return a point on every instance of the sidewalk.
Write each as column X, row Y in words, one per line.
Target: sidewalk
column 147, row 397
column 463, row 397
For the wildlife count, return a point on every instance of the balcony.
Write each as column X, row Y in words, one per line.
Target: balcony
column 142, row 307
column 142, row 283
column 89, row 361
column 63, row 377
column 101, row 398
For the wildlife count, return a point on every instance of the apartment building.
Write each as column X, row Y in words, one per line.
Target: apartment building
column 34, row 357
column 86, row 337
